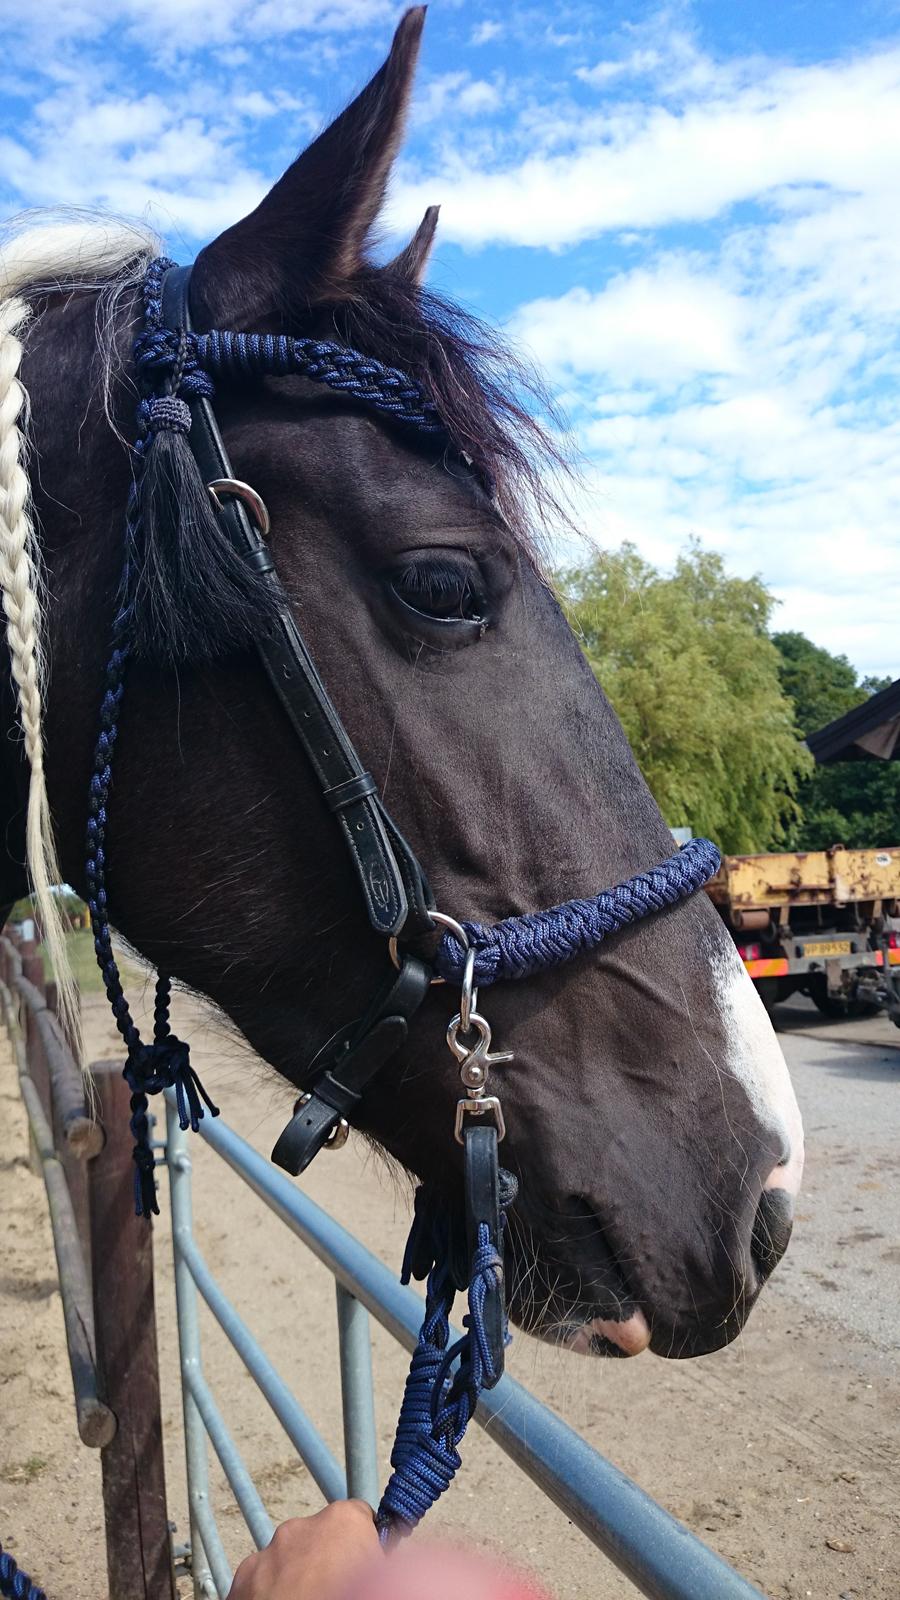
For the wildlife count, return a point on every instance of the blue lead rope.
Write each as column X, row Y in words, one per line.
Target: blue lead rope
column 14, row 1583
column 519, row 947
column 444, row 1380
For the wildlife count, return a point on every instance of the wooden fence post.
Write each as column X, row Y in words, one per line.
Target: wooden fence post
column 138, row 1547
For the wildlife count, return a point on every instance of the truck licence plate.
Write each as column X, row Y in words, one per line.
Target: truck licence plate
column 828, row 947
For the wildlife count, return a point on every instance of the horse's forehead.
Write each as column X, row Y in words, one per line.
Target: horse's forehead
column 350, row 463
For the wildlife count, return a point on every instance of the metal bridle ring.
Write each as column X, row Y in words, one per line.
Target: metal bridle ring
column 254, row 503
column 452, row 926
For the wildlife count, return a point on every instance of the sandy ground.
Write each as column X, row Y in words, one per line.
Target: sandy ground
column 782, row 1451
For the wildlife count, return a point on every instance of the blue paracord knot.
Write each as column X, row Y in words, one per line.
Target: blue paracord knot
column 162, row 1064
column 166, row 414
column 15, row 1584
column 166, row 1064
column 519, row 947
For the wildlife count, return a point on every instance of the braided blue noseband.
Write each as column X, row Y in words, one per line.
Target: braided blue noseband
column 176, row 368
column 520, row 947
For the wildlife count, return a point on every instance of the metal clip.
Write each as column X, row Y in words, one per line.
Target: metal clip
column 475, row 1061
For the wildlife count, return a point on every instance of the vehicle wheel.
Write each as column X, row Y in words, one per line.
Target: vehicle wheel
column 767, row 989
column 863, row 1008
column 831, row 1007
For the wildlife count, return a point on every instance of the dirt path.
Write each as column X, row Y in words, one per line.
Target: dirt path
column 782, row 1452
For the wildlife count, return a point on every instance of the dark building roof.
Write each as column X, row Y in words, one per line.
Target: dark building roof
column 870, row 730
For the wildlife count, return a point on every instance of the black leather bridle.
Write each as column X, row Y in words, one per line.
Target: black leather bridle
column 391, row 879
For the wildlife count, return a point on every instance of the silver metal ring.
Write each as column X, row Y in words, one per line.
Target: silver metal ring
column 452, row 926
column 469, row 998
column 450, row 923
column 254, row 502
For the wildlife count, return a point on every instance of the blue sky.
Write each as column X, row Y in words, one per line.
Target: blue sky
column 688, row 213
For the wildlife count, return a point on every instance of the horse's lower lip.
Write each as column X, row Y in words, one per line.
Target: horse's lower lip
column 603, row 1336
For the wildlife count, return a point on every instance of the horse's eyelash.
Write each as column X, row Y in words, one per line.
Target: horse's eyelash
column 435, row 579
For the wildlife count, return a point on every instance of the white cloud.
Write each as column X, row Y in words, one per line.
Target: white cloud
column 634, row 65
column 455, row 94
column 148, row 155
column 650, row 165
column 661, row 326
column 743, row 391
column 172, row 26
column 717, row 399
column 486, row 32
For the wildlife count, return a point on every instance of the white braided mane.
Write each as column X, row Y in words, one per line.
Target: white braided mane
column 43, row 251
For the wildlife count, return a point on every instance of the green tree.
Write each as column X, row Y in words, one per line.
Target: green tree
column 856, row 803
column 689, row 666
column 822, row 686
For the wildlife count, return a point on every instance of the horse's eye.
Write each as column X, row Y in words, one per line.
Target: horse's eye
column 443, row 590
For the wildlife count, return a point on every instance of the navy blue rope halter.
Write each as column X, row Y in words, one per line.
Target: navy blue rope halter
column 177, row 369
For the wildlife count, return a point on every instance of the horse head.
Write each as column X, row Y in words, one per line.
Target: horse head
column 649, row 1114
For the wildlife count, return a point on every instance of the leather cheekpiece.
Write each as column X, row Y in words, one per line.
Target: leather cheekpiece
column 394, row 887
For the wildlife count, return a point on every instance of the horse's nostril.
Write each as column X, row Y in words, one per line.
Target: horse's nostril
column 771, row 1229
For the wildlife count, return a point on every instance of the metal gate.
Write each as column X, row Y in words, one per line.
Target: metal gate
column 107, row 1284
column 661, row 1557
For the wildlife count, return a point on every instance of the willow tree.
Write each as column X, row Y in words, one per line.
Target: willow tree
column 687, row 661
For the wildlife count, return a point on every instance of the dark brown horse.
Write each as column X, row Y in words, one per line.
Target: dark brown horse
column 649, row 1112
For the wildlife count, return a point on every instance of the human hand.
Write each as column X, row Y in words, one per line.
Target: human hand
column 310, row 1558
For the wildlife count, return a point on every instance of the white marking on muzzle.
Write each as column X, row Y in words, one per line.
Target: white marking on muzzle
column 755, row 1058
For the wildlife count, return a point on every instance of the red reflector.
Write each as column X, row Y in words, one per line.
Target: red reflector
column 749, row 952
column 893, row 941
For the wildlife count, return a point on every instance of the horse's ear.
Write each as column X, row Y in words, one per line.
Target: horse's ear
column 411, row 263
column 306, row 239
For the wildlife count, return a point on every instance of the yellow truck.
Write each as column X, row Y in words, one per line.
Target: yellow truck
column 825, row 923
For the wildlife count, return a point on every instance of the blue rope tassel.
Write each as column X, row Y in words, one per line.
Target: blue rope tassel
column 165, row 1063
column 15, row 1584
column 443, row 1384
column 521, row 946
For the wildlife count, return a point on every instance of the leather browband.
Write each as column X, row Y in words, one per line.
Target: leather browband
column 394, row 887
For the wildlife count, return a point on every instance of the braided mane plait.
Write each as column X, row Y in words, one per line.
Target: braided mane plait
column 20, row 583
column 39, row 253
